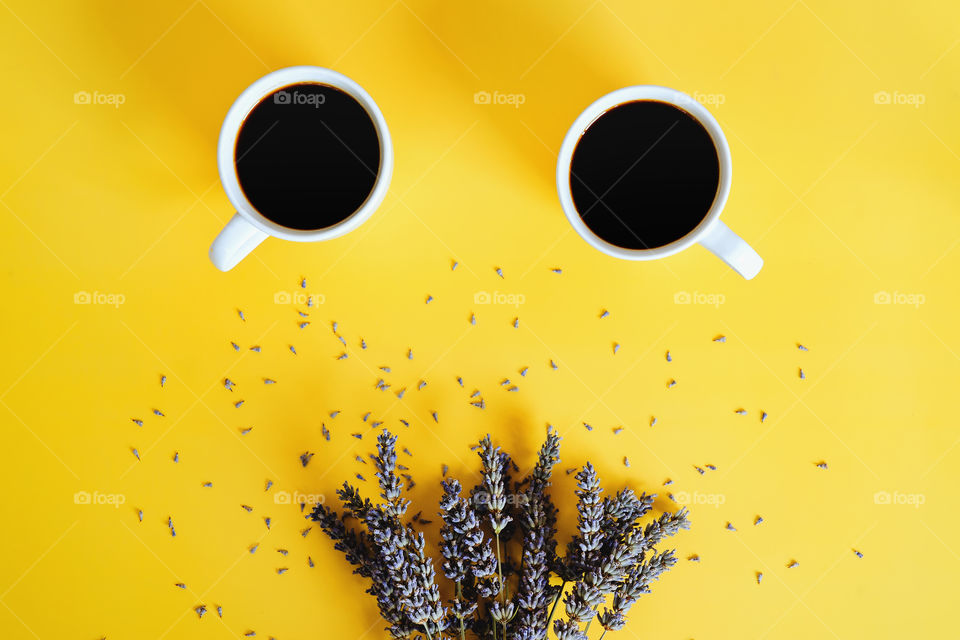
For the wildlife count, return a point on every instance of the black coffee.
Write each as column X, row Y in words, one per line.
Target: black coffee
column 644, row 174
column 307, row 156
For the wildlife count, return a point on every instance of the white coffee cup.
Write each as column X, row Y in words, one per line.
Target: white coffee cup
column 248, row 227
column 710, row 232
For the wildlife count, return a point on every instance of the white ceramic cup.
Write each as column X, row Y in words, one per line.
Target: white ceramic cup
column 248, row 227
column 710, row 232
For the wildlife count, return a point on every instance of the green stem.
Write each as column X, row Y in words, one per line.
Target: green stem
column 500, row 571
column 556, row 601
column 460, row 597
column 603, row 634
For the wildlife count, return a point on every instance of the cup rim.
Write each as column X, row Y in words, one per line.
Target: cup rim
column 636, row 93
column 250, row 98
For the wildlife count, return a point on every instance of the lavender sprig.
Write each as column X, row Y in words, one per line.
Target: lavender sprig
column 423, row 599
column 533, row 593
column 637, row 583
column 584, row 550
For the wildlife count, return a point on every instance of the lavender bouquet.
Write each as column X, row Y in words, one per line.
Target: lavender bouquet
column 499, row 552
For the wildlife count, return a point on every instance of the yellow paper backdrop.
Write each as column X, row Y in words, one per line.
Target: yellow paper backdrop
column 842, row 121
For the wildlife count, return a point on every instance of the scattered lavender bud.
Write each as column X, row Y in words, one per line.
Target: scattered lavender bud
column 407, row 451
column 246, row 508
column 360, row 477
column 208, row 485
column 238, row 404
column 604, row 314
column 803, row 376
column 157, row 412
column 793, row 564
column 587, row 427
column 763, row 416
column 421, row 385
column 693, row 558
column 303, row 325
column 556, row 270
column 672, row 383
column 201, row 609
column 360, row 459
column 730, row 527
column 228, row 384
column 305, row 458
column 499, row 272
column 669, row 357
column 443, row 470
column 757, row 520
column 293, row 350
column 282, row 552
column 516, row 323
column 699, row 470
column 667, row 482
column 334, row 325
column 310, row 562
column 571, row 470
column 741, row 412
column 363, row 343
column 821, row 465
column 617, row 430
column 235, row 346
column 404, row 422
column 523, row 372
column 268, row 485
column 324, row 431
column 334, row 414
column 513, row 387
column 282, row 570
column 711, row 467
column 436, row 418
column 180, row 585
column 140, row 515
column 240, row 313
column 801, row 347
column 553, row 365
column 137, row 422
column 253, row 548
column 245, row 431
column 626, row 462
column 759, row 577
column 266, row 521
column 256, row 348
column 453, row 267
column 858, row 554
column 163, row 380
column 219, row 611
column 401, row 392
column 304, row 532
column 653, row 421
column 720, row 339
column 135, row 452
column 269, row 381
column 173, row 532
column 366, row 415
column 409, row 354
column 473, row 318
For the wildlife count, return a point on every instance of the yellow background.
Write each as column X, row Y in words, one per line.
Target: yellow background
column 842, row 196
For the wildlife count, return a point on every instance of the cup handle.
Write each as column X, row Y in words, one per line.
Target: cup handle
column 234, row 243
column 732, row 249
